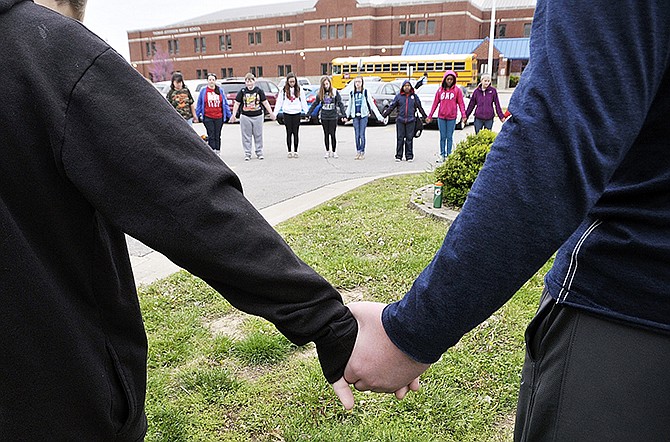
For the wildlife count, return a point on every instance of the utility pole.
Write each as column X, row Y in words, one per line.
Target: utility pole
column 489, row 68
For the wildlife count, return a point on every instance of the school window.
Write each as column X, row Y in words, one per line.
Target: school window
column 403, row 28
column 340, row 31
column 284, row 36
column 256, row 70
column 226, row 72
column 151, row 48
column 173, row 47
column 526, row 30
column 430, row 27
column 199, row 44
column 283, row 69
column 332, row 29
column 349, row 30
column 225, row 42
column 201, row 73
column 325, row 68
column 500, row 30
column 421, row 27
column 254, row 38
column 324, row 32
column 411, row 25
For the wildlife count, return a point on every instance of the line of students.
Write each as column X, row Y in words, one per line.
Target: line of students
column 212, row 109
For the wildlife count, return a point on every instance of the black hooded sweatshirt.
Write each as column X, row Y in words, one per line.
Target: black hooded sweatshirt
column 76, row 174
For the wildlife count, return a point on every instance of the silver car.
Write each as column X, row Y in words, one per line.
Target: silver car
column 381, row 93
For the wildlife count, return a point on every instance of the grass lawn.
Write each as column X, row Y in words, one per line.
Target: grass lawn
column 218, row 375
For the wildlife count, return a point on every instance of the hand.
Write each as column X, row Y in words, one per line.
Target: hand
column 344, row 393
column 272, row 116
column 428, row 120
column 464, row 121
column 195, row 120
column 376, row 364
column 232, row 119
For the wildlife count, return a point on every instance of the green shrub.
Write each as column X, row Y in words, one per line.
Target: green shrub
column 513, row 80
column 460, row 169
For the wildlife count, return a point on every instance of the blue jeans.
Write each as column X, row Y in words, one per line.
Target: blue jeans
column 446, row 135
column 360, row 123
column 479, row 124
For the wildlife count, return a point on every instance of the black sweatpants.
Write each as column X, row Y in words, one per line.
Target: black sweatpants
column 589, row 378
column 329, row 127
column 292, row 123
column 405, row 139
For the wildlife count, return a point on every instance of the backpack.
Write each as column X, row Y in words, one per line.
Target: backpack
column 418, row 123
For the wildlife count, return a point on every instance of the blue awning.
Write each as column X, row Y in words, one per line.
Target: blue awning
column 510, row 48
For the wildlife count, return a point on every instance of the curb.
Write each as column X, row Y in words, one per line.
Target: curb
column 422, row 200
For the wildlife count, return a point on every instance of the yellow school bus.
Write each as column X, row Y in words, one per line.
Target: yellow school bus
column 390, row 68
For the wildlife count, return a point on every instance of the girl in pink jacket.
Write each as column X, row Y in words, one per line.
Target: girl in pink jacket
column 449, row 98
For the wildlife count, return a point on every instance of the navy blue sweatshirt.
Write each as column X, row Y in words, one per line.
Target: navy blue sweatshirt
column 582, row 169
column 74, row 176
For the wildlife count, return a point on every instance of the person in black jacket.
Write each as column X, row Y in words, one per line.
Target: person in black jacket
column 331, row 110
column 73, row 179
column 407, row 103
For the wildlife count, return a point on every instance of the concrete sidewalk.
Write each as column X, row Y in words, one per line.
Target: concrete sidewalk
column 153, row 265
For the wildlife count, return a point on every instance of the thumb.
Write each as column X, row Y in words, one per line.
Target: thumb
column 344, row 393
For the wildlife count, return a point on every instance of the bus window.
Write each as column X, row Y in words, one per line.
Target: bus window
column 430, row 66
column 386, row 67
column 403, row 67
column 337, row 69
column 459, row 65
column 369, row 68
column 448, row 66
column 439, row 66
column 378, row 67
column 345, row 69
column 354, row 68
column 394, row 67
column 421, row 67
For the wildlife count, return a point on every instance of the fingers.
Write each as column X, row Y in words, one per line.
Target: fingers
column 344, row 393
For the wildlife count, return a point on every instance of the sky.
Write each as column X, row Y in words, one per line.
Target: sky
column 112, row 19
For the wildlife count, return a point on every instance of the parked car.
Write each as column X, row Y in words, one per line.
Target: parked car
column 310, row 95
column 426, row 94
column 162, row 86
column 231, row 86
column 302, row 81
column 380, row 93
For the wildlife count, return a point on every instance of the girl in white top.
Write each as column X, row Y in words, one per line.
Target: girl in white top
column 292, row 103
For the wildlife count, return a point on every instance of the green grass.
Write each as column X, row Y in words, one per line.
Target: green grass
column 218, row 375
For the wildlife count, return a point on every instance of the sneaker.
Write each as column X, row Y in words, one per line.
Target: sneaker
column 335, row 155
column 260, row 157
column 397, row 160
column 290, row 155
column 247, row 158
column 358, row 156
column 326, row 155
column 295, row 155
column 362, row 157
column 440, row 159
column 411, row 160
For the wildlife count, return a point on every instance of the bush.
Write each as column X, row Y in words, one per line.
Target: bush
column 513, row 80
column 459, row 170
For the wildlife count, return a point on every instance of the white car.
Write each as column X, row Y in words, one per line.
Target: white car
column 162, row 86
column 426, row 94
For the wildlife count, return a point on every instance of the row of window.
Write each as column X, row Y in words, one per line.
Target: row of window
column 225, row 42
column 438, row 66
column 417, row 27
column 327, row 32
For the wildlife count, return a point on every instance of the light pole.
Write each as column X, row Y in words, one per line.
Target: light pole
column 489, row 68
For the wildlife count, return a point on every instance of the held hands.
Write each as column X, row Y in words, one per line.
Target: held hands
column 428, row 120
column 232, row 119
column 376, row 364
